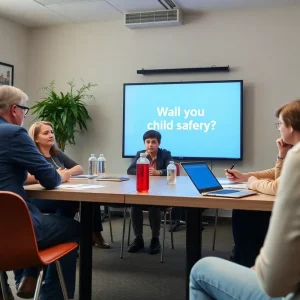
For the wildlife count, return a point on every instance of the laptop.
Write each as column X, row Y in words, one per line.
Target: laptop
column 207, row 184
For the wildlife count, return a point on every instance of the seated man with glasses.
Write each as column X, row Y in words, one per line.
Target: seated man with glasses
column 25, row 108
column 18, row 156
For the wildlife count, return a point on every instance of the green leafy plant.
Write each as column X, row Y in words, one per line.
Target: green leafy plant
column 67, row 112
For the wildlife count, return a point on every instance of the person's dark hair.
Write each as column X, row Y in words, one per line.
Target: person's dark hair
column 290, row 114
column 152, row 134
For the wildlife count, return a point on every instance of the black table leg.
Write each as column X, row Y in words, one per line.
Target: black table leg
column 193, row 241
column 85, row 250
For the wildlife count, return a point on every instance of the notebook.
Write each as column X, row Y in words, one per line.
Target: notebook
column 112, row 178
column 207, row 184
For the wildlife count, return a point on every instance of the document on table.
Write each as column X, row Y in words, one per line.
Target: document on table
column 224, row 180
column 78, row 186
column 83, row 176
column 235, row 186
column 232, row 185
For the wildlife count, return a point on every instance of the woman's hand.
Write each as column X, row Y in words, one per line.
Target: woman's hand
column 251, row 181
column 235, row 175
column 283, row 147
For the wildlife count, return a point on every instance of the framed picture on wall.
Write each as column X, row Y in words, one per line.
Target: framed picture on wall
column 6, row 74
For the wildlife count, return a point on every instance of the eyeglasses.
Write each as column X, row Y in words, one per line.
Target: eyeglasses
column 25, row 108
column 278, row 124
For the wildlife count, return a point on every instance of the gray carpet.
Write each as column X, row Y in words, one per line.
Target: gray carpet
column 142, row 276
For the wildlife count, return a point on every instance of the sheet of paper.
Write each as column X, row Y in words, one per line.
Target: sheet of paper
column 83, row 176
column 235, row 186
column 78, row 186
column 223, row 180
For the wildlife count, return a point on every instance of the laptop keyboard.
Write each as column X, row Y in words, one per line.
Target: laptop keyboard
column 224, row 192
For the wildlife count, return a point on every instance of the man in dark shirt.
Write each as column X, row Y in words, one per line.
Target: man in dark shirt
column 159, row 160
column 18, row 156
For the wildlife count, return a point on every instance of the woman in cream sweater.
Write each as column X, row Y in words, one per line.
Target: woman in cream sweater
column 249, row 228
column 277, row 268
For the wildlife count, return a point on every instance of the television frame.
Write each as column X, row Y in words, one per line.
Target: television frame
column 182, row 158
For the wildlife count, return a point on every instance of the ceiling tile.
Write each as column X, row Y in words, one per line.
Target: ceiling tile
column 50, row 2
column 52, row 12
column 29, row 13
column 87, row 11
column 213, row 5
column 135, row 5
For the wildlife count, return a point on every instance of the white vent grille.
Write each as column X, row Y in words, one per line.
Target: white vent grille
column 153, row 18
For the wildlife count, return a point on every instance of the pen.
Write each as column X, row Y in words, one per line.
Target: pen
column 231, row 169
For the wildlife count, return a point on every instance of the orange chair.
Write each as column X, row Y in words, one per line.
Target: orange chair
column 19, row 247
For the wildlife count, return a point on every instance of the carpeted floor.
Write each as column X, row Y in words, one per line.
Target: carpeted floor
column 142, row 276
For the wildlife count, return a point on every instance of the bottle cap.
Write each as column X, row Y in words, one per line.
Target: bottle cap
column 143, row 154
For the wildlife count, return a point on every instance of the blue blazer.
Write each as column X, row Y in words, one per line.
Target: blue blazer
column 163, row 159
column 18, row 156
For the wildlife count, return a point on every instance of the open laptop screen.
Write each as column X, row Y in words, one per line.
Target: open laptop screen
column 202, row 177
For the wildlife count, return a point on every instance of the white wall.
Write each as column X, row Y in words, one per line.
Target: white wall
column 14, row 50
column 261, row 47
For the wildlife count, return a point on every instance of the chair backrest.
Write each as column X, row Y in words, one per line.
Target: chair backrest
column 17, row 239
column 177, row 169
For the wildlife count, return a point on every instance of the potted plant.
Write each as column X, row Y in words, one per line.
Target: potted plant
column 67, row 112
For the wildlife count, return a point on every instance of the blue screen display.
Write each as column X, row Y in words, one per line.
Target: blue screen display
column 201, row 176
column 195, row 119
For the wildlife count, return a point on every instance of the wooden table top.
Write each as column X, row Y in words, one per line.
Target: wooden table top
column 183, row 194
column 108, row 191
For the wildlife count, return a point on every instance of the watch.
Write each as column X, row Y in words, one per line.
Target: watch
column 280, row 158
column 160, row 172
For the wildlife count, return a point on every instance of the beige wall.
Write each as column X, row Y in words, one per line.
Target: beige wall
column 14, row 50
column 261, row 47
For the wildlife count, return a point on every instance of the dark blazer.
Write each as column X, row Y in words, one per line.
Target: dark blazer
column 163, row 159
column 19, row 155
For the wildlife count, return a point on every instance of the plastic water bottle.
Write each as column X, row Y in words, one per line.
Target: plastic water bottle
column 101, row 164
column 92, row 165
column 171, row 173
column 142, row 174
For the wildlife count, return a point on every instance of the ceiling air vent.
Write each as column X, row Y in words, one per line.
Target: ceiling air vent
column 168, row 17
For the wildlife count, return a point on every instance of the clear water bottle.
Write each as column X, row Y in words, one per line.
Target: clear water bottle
column 142, row 174
column 92, row 165
column 101, row 164
column 171, row 173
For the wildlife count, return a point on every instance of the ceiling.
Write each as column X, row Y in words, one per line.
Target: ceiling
column 37, row 13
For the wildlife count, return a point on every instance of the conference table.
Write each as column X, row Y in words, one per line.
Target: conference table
column 183, row 194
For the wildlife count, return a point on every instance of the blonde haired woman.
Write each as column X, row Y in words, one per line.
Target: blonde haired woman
column 43, row 135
